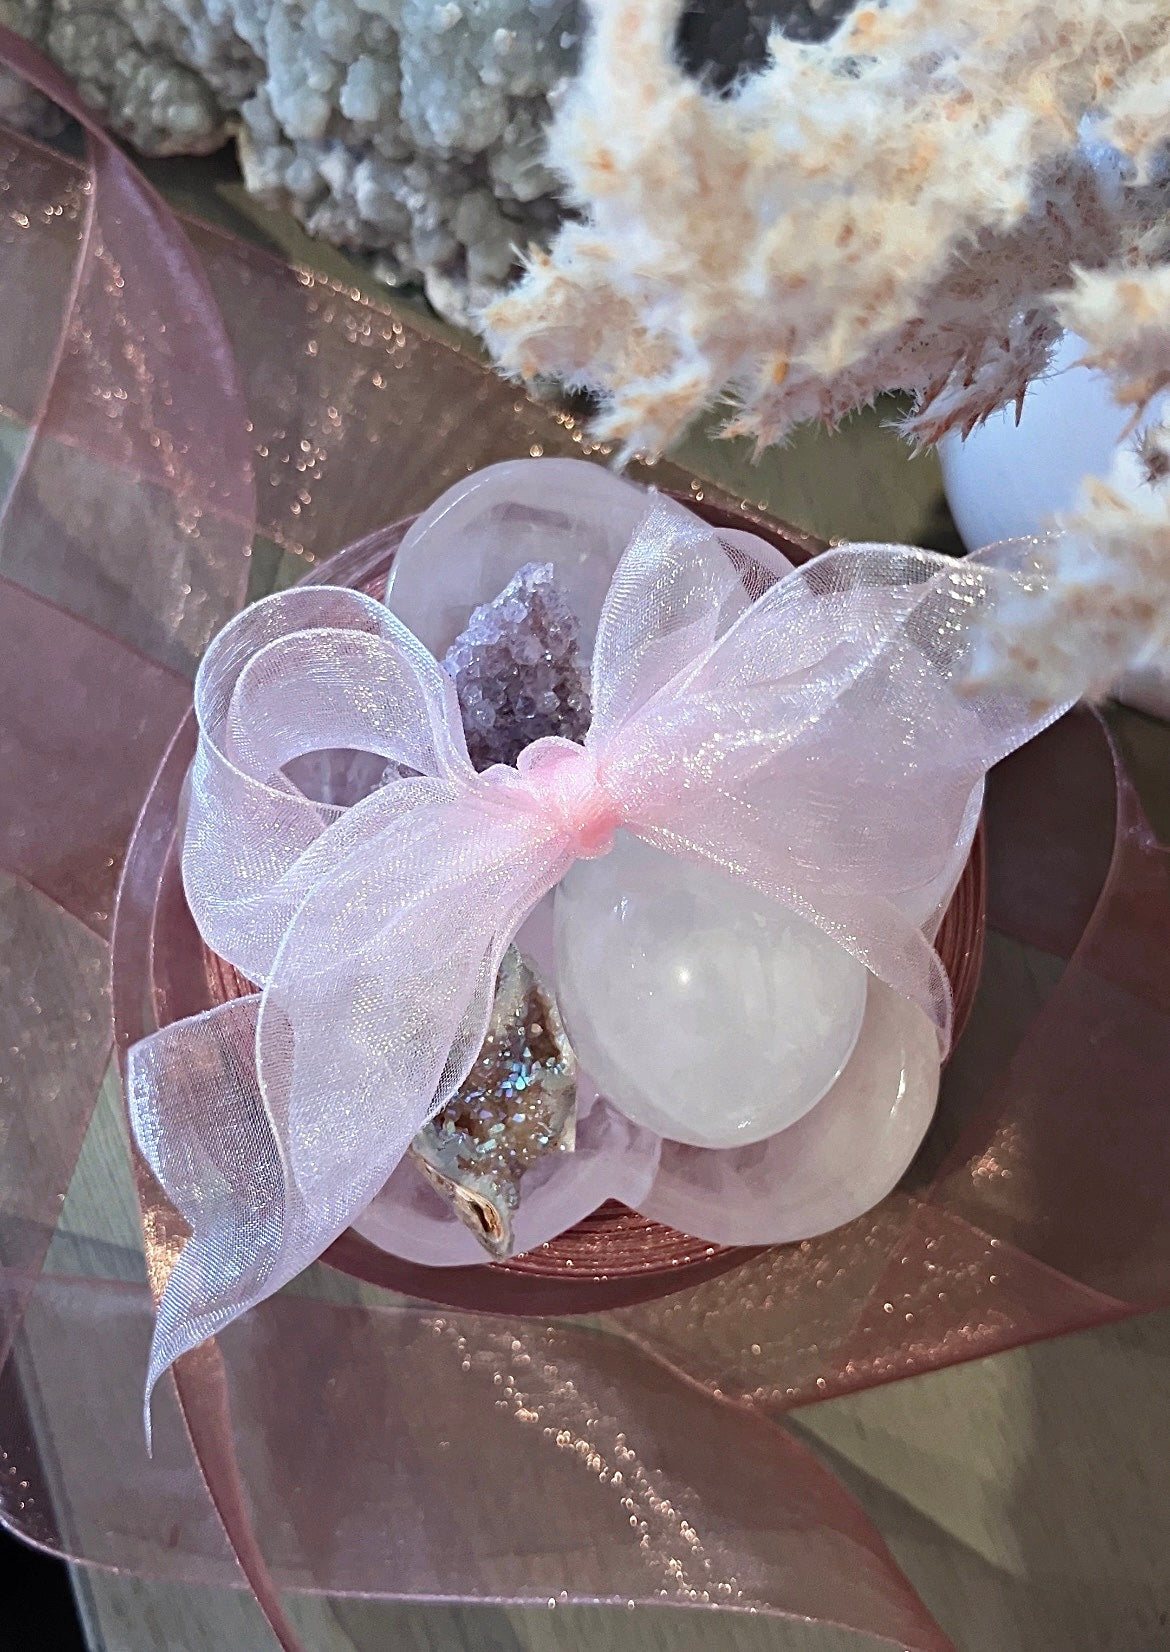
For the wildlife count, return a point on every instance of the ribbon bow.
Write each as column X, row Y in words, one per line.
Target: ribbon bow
column 808, row 738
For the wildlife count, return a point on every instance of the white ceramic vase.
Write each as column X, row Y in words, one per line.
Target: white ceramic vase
column 1006, row 480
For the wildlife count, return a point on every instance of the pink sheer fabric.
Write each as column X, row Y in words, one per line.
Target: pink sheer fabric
column 1041, row 1201
column 123, row 426
column 132, row 432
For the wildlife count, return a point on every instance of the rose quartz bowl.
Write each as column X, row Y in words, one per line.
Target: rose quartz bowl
column 163, row 971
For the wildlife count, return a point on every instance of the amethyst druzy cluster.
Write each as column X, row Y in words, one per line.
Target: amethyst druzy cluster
column 519, row 671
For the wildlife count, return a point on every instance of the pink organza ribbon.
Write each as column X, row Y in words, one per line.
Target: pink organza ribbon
column 1064, row 1165
column 810, row 742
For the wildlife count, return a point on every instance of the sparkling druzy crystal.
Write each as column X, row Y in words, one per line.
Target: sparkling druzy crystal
column 517, row 1103
column 518, row 669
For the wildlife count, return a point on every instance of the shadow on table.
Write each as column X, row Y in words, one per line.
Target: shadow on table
column 36, row 1602
column 1030, row 1509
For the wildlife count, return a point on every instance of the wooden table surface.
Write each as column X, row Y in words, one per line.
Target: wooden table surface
column 1027, row 1496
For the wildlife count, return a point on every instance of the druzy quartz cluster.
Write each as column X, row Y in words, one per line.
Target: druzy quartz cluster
column 517, row 1103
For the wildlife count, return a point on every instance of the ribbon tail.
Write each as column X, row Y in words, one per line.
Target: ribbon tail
column 199, row 1119
column 272, row 1122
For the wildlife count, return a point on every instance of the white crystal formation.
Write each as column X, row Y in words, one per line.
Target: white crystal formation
column 518, row 669
column 409, row 129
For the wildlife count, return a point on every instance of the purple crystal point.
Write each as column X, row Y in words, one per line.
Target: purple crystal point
column 518, row 669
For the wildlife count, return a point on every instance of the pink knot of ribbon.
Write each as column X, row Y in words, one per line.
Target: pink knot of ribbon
column 562, row 780
column 807, row 738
